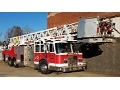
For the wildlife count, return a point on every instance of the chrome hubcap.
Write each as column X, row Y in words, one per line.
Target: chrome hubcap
column 10, row 62
column 43, row 67
column 14, row 63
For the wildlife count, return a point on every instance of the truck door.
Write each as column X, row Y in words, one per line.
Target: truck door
column 50, row 53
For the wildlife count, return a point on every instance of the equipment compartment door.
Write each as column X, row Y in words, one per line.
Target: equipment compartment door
column 29, row 55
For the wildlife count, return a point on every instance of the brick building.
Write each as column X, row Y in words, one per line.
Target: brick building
column 60, row 18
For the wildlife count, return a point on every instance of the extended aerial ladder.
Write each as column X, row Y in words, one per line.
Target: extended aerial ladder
column 81, row 31
column 63, row 32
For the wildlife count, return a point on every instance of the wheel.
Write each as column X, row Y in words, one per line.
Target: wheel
column 4, row 58
column 83, row 68
column 10, row 62
column 15, row 64
column 43, row 67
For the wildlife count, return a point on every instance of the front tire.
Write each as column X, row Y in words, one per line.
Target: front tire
column 43, row 67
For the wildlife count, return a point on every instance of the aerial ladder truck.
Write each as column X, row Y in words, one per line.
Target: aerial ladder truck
column 58, row 48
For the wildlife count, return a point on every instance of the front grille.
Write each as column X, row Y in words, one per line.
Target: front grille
column 72, row 61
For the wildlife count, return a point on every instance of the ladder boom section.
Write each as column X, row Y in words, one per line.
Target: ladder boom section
column 63, row 32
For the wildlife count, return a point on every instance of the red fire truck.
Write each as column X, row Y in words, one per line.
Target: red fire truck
column 54, row 49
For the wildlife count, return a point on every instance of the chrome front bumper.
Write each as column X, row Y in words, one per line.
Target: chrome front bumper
column 81, row 66
column 74, row 68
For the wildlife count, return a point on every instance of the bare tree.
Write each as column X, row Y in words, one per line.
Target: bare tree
column 13, row 32
column 17, row 31
column 27, row 29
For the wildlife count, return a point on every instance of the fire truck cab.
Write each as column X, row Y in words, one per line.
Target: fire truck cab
column 57, row 55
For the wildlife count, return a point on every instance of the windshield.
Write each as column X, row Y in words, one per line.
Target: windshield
column 67, row 47
column 76, row 47
column 63, row 47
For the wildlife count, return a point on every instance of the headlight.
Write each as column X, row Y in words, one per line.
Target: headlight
column 65, row 60
column 83, row 60
column 79, row 60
